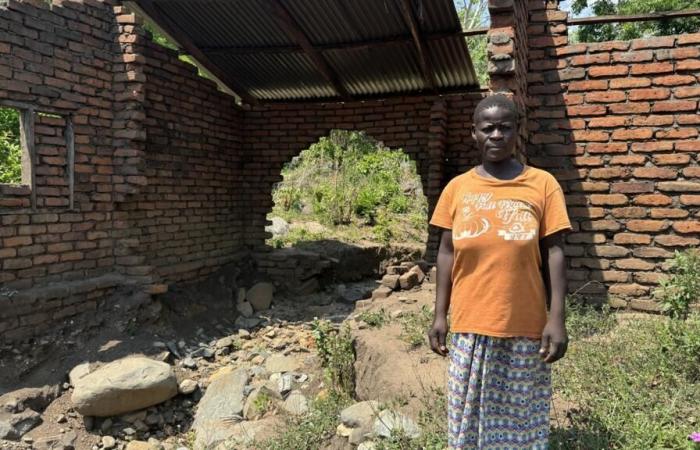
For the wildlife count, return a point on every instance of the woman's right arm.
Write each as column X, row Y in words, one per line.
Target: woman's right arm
column 445, row 260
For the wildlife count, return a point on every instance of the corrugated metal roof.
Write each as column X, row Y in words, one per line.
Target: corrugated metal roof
column 245, row 41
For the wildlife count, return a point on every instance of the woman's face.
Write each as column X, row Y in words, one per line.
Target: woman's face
column 495, row 132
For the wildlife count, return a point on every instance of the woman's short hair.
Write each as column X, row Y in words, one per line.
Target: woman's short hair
column 496, row 100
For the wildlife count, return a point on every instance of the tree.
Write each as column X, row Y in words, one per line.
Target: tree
column 473, row 14
column 10, row 148
column 633, row 30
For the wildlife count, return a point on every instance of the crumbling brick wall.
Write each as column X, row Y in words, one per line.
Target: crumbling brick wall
column 273, row 134
column 617, row 124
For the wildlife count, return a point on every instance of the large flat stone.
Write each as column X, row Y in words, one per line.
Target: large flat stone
column 123, row 386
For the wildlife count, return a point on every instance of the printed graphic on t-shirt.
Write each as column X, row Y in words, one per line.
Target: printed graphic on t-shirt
column 515, row 219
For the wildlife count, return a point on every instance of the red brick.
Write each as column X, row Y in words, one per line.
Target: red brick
column 588, row 85
column 652, row 121
column 591, row 212
column 608, row 46
column 655, row 42
column 629, row 57
column 651, row 252
column 630, row 108
column 688, row 119
column 632, row 238
column 643, row 69
column 691, row 172
column 586, row 60
column 675, row 105
column 589, row 135
column 679, row 186
column 632, row 134
column 687, row 226
column 648, row 277
column 632, row 187
column 652, row 200
column 649, row 94
column 607, row 71
column 601, row 225
column 646, row 226
column 634, row 264
column 685, row 53
column 676, row 241
column 588, row 186
column 668, row 213
column 632, row 212
column 587, row 161
column 650, row 147
column 606, row 97
column 608, row 251
column 688, row 64
column 685, row 92
column 586, row 110
column 611, row 199
column 673, row 159
column 677, row 133
column 616, row 276
column 674, row 80
column 608, row 122
column 690, row 38
column 630, row 290
column 586, row 238
column 612, row 147
column 626, row 83
column 630, row 160
column 687, row 146
column 17, row 241
column 690, row 200
column 655, row 172
column 607, row 173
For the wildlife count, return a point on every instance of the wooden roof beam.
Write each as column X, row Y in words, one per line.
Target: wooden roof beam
column 294, row 31
column 178, row 34
column 426, row 65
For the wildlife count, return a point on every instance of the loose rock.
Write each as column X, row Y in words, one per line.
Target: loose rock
column 390, row 422
column 187, row 387
column 260, row 296
column 296, row 404
column 124, row 385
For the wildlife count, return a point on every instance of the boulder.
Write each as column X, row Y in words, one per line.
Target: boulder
column 381, row 292
column 296, row 404
column 391, row 281
column 282, row 364
column 359, row 414
column 123, row 386
column 391, row 423
column 408, row 279
column 14, row 426
column 419, row 273
column 221, row 405
column 279, row 227
column 245, row 308
column 260, row 296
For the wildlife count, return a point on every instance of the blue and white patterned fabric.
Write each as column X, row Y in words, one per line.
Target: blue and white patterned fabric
column 499, row 391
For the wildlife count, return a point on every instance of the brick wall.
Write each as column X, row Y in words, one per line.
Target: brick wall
column 617, row 123
column 433, row 131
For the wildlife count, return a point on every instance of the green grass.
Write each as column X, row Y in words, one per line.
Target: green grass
column 375, row 319
column 414, row 326
column 633, row 386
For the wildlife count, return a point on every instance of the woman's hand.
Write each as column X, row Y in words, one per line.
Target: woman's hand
column 554, row 340
column 438, row 335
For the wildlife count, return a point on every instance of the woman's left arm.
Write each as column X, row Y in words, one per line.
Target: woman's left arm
column 554, row 337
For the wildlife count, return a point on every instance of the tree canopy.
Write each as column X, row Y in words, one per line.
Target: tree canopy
column 633, row 30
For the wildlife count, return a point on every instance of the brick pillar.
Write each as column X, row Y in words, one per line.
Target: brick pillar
column 437, row 142
column 130, row 148
column 508, row 57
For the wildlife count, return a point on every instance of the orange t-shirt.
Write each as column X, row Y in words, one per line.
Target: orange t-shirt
column 497, row 285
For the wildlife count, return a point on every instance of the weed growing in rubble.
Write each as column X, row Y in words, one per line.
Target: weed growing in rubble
column 376, row 319
column 335, row 347
column 415, row 326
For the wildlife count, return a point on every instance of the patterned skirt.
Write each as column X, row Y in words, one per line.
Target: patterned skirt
column 498, row 396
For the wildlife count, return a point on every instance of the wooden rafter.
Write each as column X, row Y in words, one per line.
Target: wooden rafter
column 357, row 45
column 418, row 40
column 182, row 39
column 294, row 31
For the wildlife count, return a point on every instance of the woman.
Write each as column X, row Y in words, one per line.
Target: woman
column 502, row 220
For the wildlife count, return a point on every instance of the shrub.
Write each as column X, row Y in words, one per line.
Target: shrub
column 682, row 287
column 10, row 147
